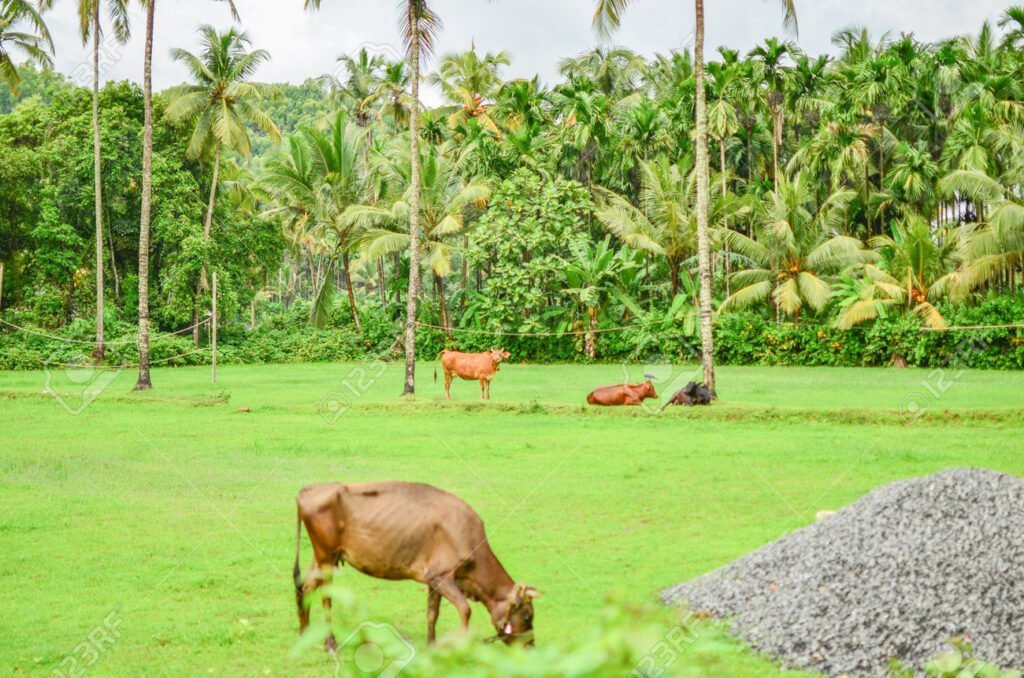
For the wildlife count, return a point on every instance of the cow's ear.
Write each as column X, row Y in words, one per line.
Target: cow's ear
column 529, row 593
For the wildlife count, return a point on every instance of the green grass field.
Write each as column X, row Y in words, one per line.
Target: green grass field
column 176, row 510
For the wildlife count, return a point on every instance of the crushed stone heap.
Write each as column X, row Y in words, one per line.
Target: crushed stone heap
column 894, row 575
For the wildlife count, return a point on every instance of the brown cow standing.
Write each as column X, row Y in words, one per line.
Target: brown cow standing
column 471, row 366
column 397, row 531
column 623, row 394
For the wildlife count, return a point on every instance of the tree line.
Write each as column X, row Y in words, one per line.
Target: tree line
column 843, row 189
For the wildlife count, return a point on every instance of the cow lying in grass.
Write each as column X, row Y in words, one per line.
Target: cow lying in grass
column 624, row 394
column 691, row 395
column 396, row 531
column 471, row 366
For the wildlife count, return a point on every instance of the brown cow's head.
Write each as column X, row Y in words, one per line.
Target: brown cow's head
column 513, row 617
column 498, row 355
column 647, row 390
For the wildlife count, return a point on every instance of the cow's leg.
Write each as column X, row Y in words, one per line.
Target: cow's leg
column 328, row 574
column 320, row 573
column 448, row 378
column 433, row 610
column 310, row 583
column 483, row 389
column 447, row 588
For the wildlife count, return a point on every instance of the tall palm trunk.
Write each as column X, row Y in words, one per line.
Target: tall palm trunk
column 144, row 383
column 351, row 293
column 442, row 304
column 673, row 271
column 381, row 282
column 99, row 352
column 703, row 187
column 414, row 206
column 725, row 221
column 465, row 271
column 590, row 340
column 777, row 122
column 208, row 224
column 113, row 265
column 207, row 229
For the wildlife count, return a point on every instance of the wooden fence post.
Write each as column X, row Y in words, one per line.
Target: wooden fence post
column 213, row 329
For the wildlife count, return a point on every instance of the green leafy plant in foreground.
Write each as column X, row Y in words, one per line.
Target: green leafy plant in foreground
column 958, row 662
column 623, row 641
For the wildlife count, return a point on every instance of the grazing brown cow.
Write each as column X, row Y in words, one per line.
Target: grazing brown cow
column 396, row 531
column 624, row 394
column 471, row 366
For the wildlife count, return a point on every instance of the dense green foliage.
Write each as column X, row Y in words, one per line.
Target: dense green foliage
column 864, row 197
column 47, row 223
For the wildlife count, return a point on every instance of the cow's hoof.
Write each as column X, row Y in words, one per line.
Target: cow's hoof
column 331, row 646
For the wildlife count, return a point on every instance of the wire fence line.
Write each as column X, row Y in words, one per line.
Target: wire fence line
column 604, row 330
column 623, row 328
column 496, row 333
column 67, row 340
column 965, row 328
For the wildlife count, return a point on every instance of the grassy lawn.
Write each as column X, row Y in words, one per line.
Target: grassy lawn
column 176, row 509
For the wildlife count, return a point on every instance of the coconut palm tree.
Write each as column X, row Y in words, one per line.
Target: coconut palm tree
column 420, row 26
column 221, row 104
column 23, row 30
column 470, row 83
column 91, row 28
column 364, row 76
column 606, row 19
column 795, row 249
column 145, row 382
column 995, row 247
column 312, row 184
column 444, row 196
column 616, row 71
column 591, row 276
column 584, row 116
column 665, row 223
column 521, row 103
column 770, row 58
column 643, row 133
column 916, row 270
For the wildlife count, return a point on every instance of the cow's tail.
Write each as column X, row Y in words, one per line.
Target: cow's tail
column 297, row 571
column 435, row 364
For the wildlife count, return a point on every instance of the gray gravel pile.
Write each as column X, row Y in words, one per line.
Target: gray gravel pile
column 894, row 575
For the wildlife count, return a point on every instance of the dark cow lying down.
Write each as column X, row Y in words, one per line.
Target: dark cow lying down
column 395, row 530
column 693, row 394
column 624, row 394
column 472, row 367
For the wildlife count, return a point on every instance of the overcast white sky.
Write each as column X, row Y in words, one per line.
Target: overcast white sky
column 538, row 33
